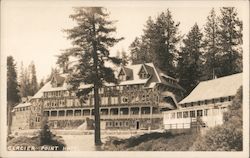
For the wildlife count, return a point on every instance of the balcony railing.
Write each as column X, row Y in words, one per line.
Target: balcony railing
column 104, row 117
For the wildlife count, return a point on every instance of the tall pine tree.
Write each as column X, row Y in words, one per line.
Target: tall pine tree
column 190, row 60
column 166, row 46
column 24, row 82
column 12, row 89
column 158, row 44
column 123, row 56
column 138, row 51
column 12, row 85
column 211, row 47
column 91, row 39
column 33, row 79
column 230, row 38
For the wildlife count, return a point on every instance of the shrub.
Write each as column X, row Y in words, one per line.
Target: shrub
column 48, row 138
column 220, row 138
column 227, row 137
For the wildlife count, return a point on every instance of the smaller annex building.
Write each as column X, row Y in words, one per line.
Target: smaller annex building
column 205, row 105
column 21, row 116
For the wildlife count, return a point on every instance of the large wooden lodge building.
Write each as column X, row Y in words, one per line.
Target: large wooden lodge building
column 144, row 98
column 136, row 102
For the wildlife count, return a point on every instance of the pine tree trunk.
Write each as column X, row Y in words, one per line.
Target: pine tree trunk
column 97, row 117
column 96, row 93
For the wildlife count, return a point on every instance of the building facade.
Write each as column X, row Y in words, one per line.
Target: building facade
column 205, row 105
column 136, row 102
column 21, row 116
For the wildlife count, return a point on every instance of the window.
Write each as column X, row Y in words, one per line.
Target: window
column 77, row 112
column 206, row 102
column 114, row 100
column 192, row 114
column 145, row 110
column 185, row 114
column 126, row 123
column 205, row 112
column 124, row 99
column 61, row 113
column 147, row 98
column 221, row 99
column 122, row 75
column 172, row 115
column 104, row 101
column 114, row 111
column 135, row 110
column 143, row 97
column 179, row 114
column 199, row 113
column 143, row 74
column 53, row 113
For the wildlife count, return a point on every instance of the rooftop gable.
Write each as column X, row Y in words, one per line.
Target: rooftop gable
column 216, row 88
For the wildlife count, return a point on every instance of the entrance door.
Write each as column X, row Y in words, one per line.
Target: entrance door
column 137, row 124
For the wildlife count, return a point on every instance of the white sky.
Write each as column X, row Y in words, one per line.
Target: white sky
column 33, row 30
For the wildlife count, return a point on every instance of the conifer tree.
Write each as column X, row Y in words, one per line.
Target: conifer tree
column 12, row 85
column 123, row 56
column 211, row 47
column 158, row 44
column 168, row 38
column 24, row 82
column 33, row 79
column 137, row 55
column 190, row 60
column 12, row 89
column 41, row 84
column 91, row 39
column 63, row 62
column 230, row 38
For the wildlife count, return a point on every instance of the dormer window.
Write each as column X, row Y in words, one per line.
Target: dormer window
column 122, row 76
column 53, row 82
column 143, row 74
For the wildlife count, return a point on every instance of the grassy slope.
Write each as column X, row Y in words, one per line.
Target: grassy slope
column 153, row 142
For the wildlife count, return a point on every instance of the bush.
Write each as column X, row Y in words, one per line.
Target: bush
column 227, row 137
column 48, row 138
column 220, row 138
column 24, row 141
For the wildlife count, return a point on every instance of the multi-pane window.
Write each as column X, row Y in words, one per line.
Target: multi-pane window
column 104, row 101
column 205, row 112
column 192, row 113
column 185, row 114
column 199, row 113
column 114, row 100
column 179, row 114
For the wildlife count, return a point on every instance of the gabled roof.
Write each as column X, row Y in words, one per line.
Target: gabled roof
column 48, row 86
column 59, row 79
column 128, row 72
column 132, row 71
column 23, row 105
column 216, row 88
column 149, row 67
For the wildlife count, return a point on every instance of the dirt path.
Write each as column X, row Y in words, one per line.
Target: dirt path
column 84, row 142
